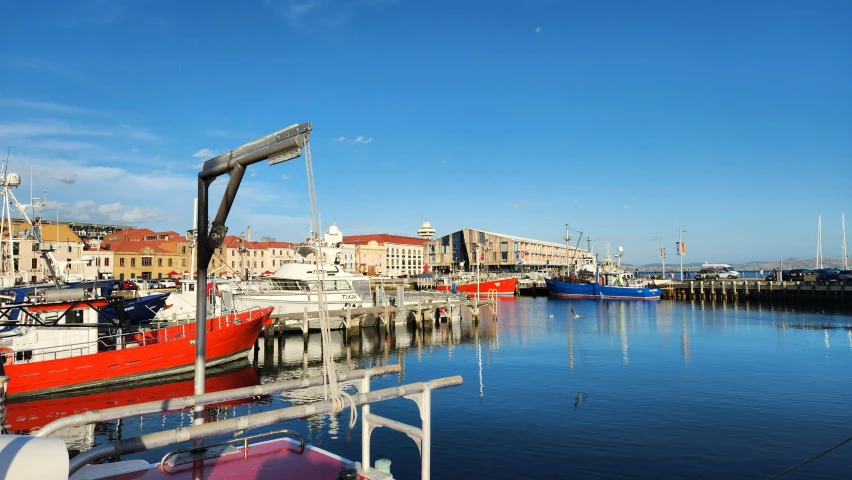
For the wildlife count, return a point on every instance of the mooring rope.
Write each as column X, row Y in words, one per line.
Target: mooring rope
column 331, row 387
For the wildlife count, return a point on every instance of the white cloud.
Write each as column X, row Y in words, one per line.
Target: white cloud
column 54, row 128
column 46, row 106
column 135, row 150
column 628, row 206
column 538, row 30
column 361, row 139
column 285, row 177
column 26, row 129
column 205, row 153
column 340, row 139
column 516, row 205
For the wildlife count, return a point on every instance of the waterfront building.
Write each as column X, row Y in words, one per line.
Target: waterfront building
column 144, row 253
column 390, row 255
column 73, row 257
column 460, row 250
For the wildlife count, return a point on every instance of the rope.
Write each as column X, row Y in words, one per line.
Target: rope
column 331, row 387
column 810, row 459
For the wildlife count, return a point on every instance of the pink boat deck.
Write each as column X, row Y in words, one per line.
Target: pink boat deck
column 272, row 460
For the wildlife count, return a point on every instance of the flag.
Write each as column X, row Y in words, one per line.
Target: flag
column 677, row 247
column 683, row 248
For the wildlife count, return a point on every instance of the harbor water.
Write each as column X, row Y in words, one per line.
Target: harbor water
column 632, row 390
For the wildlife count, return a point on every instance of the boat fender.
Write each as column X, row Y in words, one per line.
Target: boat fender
column 8, row 355
column 23, row 457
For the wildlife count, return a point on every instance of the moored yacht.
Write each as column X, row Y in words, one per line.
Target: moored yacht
column 293, row 289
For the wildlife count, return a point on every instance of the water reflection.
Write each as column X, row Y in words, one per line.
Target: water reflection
column 29, row 414
column 712, row 380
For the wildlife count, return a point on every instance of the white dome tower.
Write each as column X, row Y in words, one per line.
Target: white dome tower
column 426, row 231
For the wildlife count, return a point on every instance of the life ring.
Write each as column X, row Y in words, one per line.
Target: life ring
column 8, row 355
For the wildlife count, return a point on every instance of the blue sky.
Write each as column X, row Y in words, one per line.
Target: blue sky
column 627, row 120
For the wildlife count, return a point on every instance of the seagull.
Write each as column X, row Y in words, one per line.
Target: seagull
column 551, row 316
column 575, row 314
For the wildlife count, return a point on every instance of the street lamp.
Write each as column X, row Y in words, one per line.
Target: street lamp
column 662, row 254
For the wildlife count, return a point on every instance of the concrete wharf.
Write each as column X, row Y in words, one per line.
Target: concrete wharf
column 836, row 294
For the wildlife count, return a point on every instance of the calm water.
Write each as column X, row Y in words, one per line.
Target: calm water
column 634, row 390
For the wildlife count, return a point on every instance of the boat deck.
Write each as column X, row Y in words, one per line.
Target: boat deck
column 272, row 460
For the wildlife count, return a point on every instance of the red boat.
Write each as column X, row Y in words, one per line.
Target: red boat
column 66, row 358
column 502, row 287
column 30, row 414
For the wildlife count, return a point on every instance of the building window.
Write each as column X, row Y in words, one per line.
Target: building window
column 35, row 263
column 170, row 262
column 183, row 249
column 69, row 248
column 132, row 262
column 233, row 264
column 159, row 262
column 182, row 262
column 106, row 262
column 504, row 251
column 121, row 262
column 147, row 261
column 261, row 263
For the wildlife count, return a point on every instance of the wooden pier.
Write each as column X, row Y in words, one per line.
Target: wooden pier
column 422, row 313
column 835, row 294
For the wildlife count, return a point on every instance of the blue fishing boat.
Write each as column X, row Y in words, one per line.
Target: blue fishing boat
column 610, row 281
column 138, row 310
column 629, row 291
column 569, row 288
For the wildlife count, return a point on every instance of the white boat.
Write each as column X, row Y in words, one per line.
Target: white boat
column 292, row 289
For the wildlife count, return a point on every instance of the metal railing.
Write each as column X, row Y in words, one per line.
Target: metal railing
column 420, row 393
column 174, row 404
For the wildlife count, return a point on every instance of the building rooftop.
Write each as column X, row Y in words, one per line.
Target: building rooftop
column 383, row 238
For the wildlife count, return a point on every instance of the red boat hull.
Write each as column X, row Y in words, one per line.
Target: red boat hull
column 32, row 414
column 170, row 349
column 503, row 287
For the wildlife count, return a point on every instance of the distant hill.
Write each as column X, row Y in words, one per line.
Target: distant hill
column 754, row 265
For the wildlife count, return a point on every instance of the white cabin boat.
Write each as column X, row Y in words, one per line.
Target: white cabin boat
column 293, row 289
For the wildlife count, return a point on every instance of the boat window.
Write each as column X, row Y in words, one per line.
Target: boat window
column 291, row 285
column 24, row 355
column 362, row 288
column 342, row 285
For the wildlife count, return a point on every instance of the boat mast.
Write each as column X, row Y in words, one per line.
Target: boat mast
column 6, row 223
column 567, row 246
column 843, row 227
column 819, row 242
